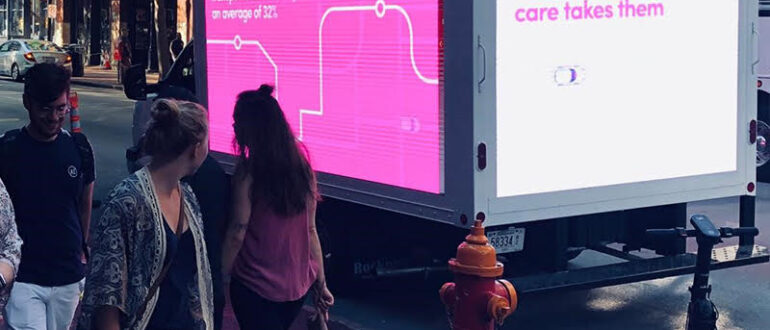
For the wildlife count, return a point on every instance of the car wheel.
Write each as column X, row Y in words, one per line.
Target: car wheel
column 15, row 74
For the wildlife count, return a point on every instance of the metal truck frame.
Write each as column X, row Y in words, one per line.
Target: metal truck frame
column 359, row 218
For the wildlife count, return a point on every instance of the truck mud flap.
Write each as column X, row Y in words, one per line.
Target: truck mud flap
column 638, row 269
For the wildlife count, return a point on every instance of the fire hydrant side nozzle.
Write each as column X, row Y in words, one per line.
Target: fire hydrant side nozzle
column 476, row 300
column 447, row 293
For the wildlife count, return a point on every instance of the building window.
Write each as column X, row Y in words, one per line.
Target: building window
column 16, row 28
column 3, row 18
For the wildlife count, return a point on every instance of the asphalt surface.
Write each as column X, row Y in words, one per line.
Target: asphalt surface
column 741, row 294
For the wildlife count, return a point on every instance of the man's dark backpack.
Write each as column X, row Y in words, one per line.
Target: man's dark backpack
column 9, row 151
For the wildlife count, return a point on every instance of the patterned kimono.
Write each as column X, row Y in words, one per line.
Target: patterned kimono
column 10, row 242
column 128, row 248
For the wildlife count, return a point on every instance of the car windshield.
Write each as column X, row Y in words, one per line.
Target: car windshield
column 42, row 46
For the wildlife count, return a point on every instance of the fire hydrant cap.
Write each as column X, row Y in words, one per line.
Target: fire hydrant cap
column 475, row 256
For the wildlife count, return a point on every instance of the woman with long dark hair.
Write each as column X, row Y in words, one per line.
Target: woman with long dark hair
column 271, row 246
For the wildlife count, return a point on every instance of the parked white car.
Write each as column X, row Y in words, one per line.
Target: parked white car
column 18, row 55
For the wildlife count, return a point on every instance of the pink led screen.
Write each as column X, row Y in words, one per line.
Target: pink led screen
column 358, row 80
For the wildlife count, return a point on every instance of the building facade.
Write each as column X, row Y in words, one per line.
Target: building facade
column 97, row 25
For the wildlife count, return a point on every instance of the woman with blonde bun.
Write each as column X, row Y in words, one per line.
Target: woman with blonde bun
column 149, row 267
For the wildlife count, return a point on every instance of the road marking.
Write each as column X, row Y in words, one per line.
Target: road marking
column 9, row 120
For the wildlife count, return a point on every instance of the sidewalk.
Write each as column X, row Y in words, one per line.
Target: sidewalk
column 95, row 76
column 229, row 322
column 335, row 323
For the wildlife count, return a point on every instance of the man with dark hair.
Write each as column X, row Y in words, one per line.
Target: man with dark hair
column 49, row 174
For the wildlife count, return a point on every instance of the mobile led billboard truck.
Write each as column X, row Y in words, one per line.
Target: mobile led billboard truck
column 564, row 124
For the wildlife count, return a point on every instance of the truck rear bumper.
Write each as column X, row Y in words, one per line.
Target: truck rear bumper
column 638, row 269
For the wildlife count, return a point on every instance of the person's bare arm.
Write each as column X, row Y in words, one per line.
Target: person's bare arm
column 107, row 318
column 323, row 297
column 241, row 212
column 315, row 245
column 7, row 272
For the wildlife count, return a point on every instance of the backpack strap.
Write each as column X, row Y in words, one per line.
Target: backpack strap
column 86, row 166
column 85, row 151
column 8, row 150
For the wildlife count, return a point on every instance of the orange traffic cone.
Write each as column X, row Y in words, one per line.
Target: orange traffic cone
column 74, row 113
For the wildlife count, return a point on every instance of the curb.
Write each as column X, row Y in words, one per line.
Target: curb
column 334, row 323
column 96, row 84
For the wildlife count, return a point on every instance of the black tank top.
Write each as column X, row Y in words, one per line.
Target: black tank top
column 173, row 308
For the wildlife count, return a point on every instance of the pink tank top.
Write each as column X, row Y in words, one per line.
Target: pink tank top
column 275, row 260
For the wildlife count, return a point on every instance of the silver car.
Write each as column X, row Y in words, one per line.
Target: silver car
column 18, row 55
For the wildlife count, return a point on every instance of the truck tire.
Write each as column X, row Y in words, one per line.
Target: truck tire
column 763, row 115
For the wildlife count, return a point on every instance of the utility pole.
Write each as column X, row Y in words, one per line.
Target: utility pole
column 27, row 5
column 164, row 55
column 152, row 50
column 8, row 18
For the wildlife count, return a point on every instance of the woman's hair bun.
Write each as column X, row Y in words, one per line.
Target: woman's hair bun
column 265, row 90
column 165, row 113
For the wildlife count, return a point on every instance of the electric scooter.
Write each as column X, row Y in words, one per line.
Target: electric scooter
column 702, row 314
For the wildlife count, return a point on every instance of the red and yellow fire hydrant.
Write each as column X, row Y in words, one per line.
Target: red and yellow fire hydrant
column 477, row 299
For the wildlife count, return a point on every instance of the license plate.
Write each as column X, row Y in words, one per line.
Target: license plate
column 49, row 60
column 507, row 240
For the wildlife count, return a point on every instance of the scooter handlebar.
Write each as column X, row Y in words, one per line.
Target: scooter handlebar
column 724, row 232
column 669, row 233
column 740, row 231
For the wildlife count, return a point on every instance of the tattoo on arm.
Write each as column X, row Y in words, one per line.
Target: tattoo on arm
column 240, row 227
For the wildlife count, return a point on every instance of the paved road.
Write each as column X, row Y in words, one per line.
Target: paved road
column 742, row 294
